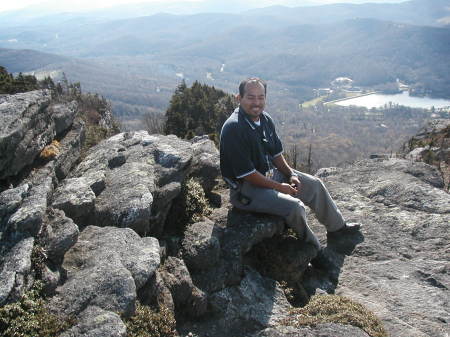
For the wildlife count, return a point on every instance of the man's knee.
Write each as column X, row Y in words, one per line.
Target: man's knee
column 315, row 184
column 297, row 212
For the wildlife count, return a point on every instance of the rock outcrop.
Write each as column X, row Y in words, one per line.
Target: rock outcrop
column 400, row 271
column 16, row 275
column 29, row 122
column 106, row 268
column 130, row 180
column 432, row 146
column 101, row 229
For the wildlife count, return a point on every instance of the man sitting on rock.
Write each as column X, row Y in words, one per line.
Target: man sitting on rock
column 252, row 162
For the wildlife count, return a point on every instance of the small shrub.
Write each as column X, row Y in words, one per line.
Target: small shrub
column 38, row 259
column 189, row 207
column 336, row 309
column 94, row 135
column 150, row 323
column 196, row 204
column 29, row 317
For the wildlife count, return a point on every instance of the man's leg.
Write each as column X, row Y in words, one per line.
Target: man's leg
column 316, row 196
column 264, row 200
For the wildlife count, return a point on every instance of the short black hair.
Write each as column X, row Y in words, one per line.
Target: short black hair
column 251, row 80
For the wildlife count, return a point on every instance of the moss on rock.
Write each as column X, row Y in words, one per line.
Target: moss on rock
column 29, row 317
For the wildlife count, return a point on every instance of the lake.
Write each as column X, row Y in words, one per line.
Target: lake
column 378, row 100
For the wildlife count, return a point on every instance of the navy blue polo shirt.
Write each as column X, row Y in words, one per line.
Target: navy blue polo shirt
column 246, row 147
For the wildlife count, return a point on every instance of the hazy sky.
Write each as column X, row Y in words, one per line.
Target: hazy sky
column 76, row 5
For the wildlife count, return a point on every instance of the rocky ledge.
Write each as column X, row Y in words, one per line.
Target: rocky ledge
column 99, row 233
column 432, row 146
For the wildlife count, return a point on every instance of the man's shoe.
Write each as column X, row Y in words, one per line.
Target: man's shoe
column 348, row 229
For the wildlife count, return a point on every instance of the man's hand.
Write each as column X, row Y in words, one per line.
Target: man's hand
column 287, row 189
column 293, row 180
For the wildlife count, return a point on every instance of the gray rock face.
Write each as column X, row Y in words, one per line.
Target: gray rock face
column 205, row 165
column 187, row 298
column 254, row 304
column 201, row 246
column 62, row 233
column 27, row 125
column 70, row 150
column 400, row 270
column 127, row 199
column 233, row 234
column 10, row 200
column 432, row 145
column 15, row 276
column 29, row 216
column 76, row 198
column 96, row 322
column 63, row 115
column 321, row 330
column 105, row 268
column 133, row 178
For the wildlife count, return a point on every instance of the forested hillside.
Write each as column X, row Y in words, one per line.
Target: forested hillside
column 140, row 75
column 138, row 63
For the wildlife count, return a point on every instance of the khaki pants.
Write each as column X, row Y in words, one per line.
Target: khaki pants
column 312, row 193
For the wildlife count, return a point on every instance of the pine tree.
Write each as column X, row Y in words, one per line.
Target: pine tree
column 198, row 110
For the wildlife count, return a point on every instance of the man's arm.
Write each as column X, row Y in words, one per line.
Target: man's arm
column 282, row 165
column 258, row 179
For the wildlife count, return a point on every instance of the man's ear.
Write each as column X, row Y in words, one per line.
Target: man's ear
column 238, row 97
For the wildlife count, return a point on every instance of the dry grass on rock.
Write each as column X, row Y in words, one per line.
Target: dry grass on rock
column 336, row 309
column 150, row 323
column 50, row 151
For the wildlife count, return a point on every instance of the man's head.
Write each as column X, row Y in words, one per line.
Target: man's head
column 252, row 97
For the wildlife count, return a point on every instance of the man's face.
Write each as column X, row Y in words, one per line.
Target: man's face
column 254, row 100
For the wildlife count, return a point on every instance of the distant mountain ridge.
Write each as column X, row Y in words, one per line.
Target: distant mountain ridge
column 415, row 12
column 137, row 62
column 28, row 60
column 52, row 12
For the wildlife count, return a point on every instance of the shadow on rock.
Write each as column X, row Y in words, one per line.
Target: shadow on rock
column 346, row 244
column 322, row 275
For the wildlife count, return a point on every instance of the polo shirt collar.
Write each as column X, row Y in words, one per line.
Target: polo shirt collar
column 249, row 121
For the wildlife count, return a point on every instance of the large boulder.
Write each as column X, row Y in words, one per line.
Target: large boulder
column 131, row 179
column 187, row 298
column 217, row 252
column 396, row 266
column 432, row 145
column 96, row 322
column 254, row 304
column 69, row 149
column 227, row 238
column 28, row 123
column 205, row 165
column 106, row 268
column 29, row 216
column 10, row 201
column 76, row 198
column 15, row 274
column 61, row 235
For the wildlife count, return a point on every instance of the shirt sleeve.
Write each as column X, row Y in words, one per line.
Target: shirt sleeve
column 277, row 146
column 237, row 152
